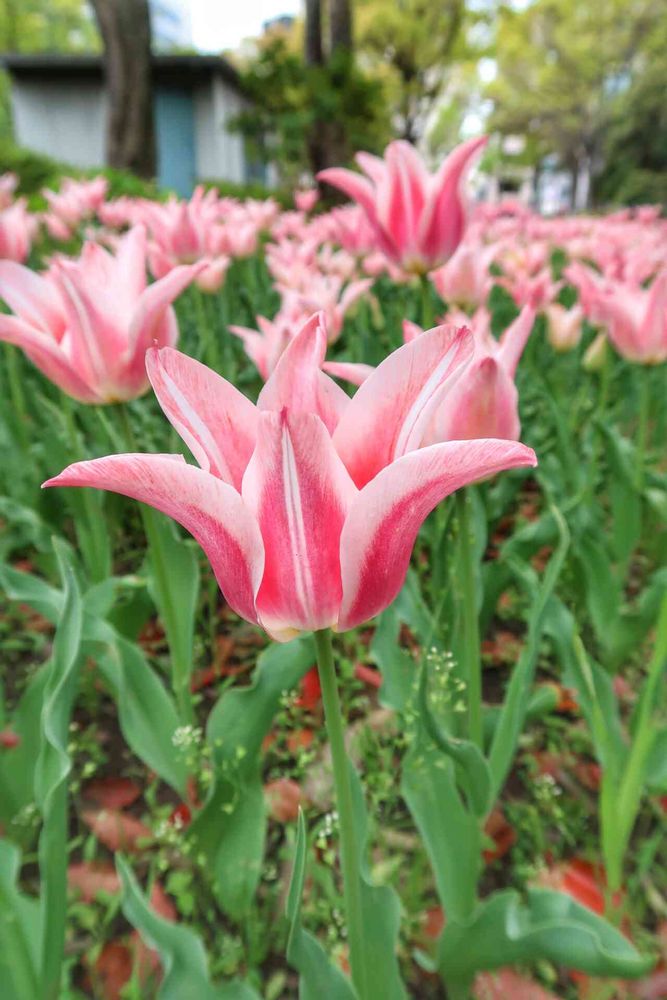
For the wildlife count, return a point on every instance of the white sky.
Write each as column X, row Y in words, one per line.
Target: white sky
column 223, row 24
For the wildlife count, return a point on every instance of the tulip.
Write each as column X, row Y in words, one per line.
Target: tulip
column 635, row 319
column 307, row 504
column 75, row 201
column 483, row 401
column 87, row 323
column 8, row 184
column 17, row 229
column 564, row 326
column 306, row 199
column 418, row 219
column 465, row 279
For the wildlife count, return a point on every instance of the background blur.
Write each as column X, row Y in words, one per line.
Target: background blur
column 263, row 93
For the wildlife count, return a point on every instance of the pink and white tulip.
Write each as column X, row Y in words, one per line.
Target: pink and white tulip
column 17, row 231
column 418, row 218
column 87, row 323
column 308, row 504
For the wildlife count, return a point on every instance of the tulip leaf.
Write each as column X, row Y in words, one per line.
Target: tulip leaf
column 18, row 766
column 451, row 833
column 515, row 704
column 624, row 496
column 51, row 772
column 509, row 930
column 20, row 931
column 230, row 830
column 319, row 978
column 174, row 586
column 181, row 951
column 381, row 909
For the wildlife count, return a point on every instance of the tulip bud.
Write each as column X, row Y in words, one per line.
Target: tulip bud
column 596, row 354
column 564, row 326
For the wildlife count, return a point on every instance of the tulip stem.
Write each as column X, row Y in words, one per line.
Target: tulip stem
column 426, row 303
column 469, row 618
column 17, row 396
column 349, row 844
column 642, row 428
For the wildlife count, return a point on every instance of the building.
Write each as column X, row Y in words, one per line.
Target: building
column 59, row 107
column 170, row 24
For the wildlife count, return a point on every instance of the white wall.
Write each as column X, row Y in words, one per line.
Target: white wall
column 64, row 120
column 220, row 154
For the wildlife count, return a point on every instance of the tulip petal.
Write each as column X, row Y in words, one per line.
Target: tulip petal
column 514, row 340
column 46, row 355
column 297, row 382
column 483, row 403
column 653, row 330
column 353, row 185
column 389, row 414
column 300, row 492
column 31, row 297
column 209, row 509
column 443, row 219
column 152, row 306
column 216, row 421
column 382, row 525
column 350, row 371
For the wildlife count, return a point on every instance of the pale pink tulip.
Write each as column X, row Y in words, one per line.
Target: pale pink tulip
column 87, row 323
column 635, row 318
column 418, row 218
column 294, row 542
column 306, row 199
column 564, row 326
column 17, row 229
column 465, row 280
column 75, row 201
column 8, row 184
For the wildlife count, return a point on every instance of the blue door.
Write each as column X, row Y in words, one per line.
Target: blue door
column 175, row 133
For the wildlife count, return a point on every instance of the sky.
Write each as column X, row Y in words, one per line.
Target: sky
column 223, row 24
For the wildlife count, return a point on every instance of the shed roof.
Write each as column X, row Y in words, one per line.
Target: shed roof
column 166, row 68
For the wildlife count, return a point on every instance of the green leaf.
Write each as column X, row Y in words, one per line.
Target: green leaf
column 20, row 931
column 230, row 830
column 381, row 913
column 506, row 930
column 319, row 978
column 18, row 767
column 174, row 586
column 515, row 704
column 181, row 951
column 451, row 833
column 51, row 772
column 623, row 493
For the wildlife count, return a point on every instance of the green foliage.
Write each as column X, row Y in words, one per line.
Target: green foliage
column 290, row 99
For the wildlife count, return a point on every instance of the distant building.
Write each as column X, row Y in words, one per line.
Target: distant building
column 170, row 24
column 59, row 109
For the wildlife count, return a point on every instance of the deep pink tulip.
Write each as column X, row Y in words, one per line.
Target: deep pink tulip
column 418, row 218
column 87, row 323
column 308, row 504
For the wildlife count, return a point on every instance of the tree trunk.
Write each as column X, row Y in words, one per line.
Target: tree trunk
column 126, row 34
column 340, row 25
column 313, row 52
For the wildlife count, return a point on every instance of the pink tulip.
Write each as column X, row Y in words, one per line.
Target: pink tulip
column 482, row 401
column 17, row 229
column 295, row 541
column 87, row 324
column 265, row 346
column 564, row 326
column 75, row 201
column 635, row 318
column 306, row 199
column 418, row 219
column 8, row 184
column 465, row 280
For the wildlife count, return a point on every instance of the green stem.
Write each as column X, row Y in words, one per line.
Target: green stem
column 426, row 303
column 180, row 671
column 603, row 396
column 92, row 532
column 17, row 396
column 469, row 618
column 349, row 845
column 642, row 428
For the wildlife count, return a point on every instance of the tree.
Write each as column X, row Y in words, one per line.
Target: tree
column 563, row 66
column 412, row 44
column 46, row 26
column 126, row 34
